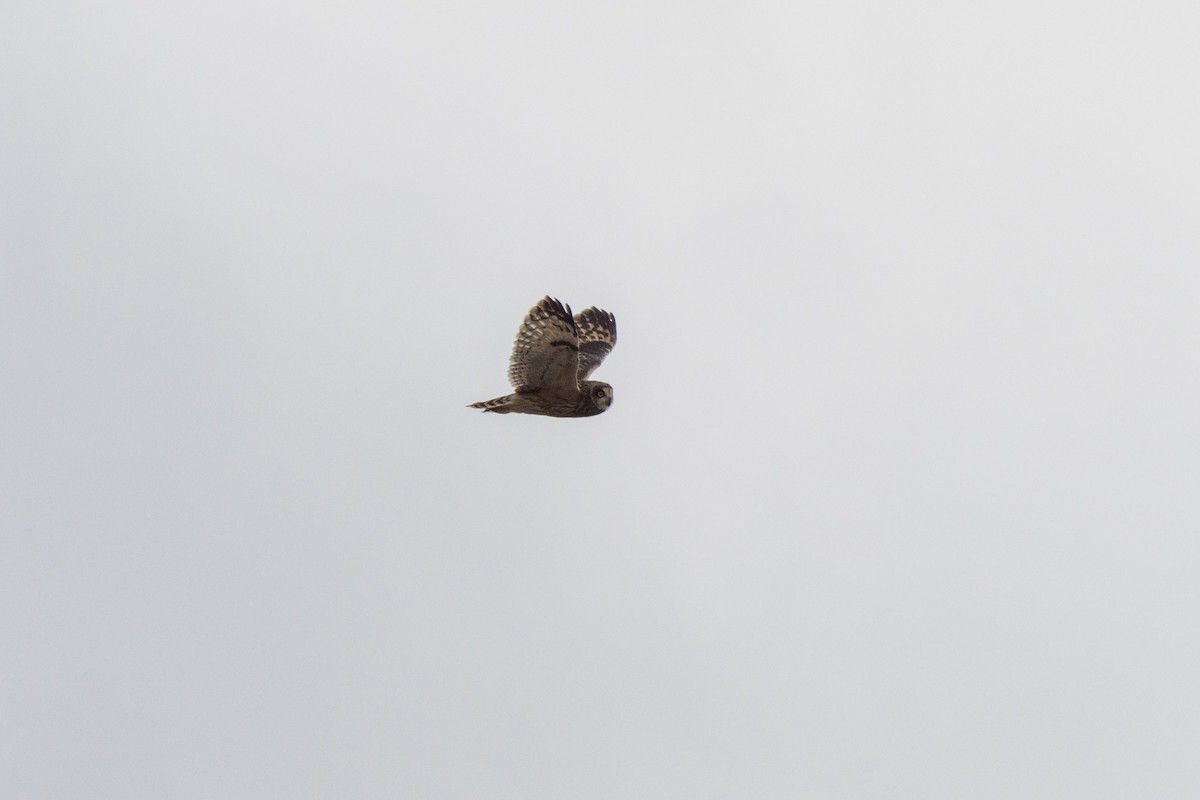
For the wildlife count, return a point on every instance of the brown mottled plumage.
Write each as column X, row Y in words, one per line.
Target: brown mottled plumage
column 552, row 357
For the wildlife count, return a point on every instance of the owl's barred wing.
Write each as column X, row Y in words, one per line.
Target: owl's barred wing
column 597, row 337
column 546, row 352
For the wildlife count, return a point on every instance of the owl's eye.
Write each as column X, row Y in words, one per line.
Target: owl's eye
column 597, row 393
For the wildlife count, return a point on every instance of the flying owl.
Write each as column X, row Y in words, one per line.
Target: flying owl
column 551, row 360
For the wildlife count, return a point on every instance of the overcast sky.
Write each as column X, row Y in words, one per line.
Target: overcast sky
column 897, row 497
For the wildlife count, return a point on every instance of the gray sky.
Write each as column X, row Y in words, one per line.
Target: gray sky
column 897, row 497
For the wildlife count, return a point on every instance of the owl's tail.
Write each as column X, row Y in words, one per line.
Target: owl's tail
column 498, row 405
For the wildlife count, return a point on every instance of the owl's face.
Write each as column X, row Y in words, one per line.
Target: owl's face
column 600, row 394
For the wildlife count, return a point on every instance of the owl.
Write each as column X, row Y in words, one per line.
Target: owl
column 551, row 360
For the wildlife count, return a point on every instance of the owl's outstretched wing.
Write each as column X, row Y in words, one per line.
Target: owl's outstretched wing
column 597, row 337
column 546, row 352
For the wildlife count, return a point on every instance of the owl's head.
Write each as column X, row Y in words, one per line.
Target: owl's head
column 599, row 395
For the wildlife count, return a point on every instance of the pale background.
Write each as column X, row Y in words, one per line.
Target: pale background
column 897, row 498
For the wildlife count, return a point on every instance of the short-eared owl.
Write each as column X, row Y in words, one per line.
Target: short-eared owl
column 551, row 360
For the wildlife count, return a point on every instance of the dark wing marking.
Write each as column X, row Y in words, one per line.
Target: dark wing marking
column 546, row 352
column 597, row 337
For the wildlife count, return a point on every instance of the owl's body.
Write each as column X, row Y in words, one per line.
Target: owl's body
column 552, row 358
